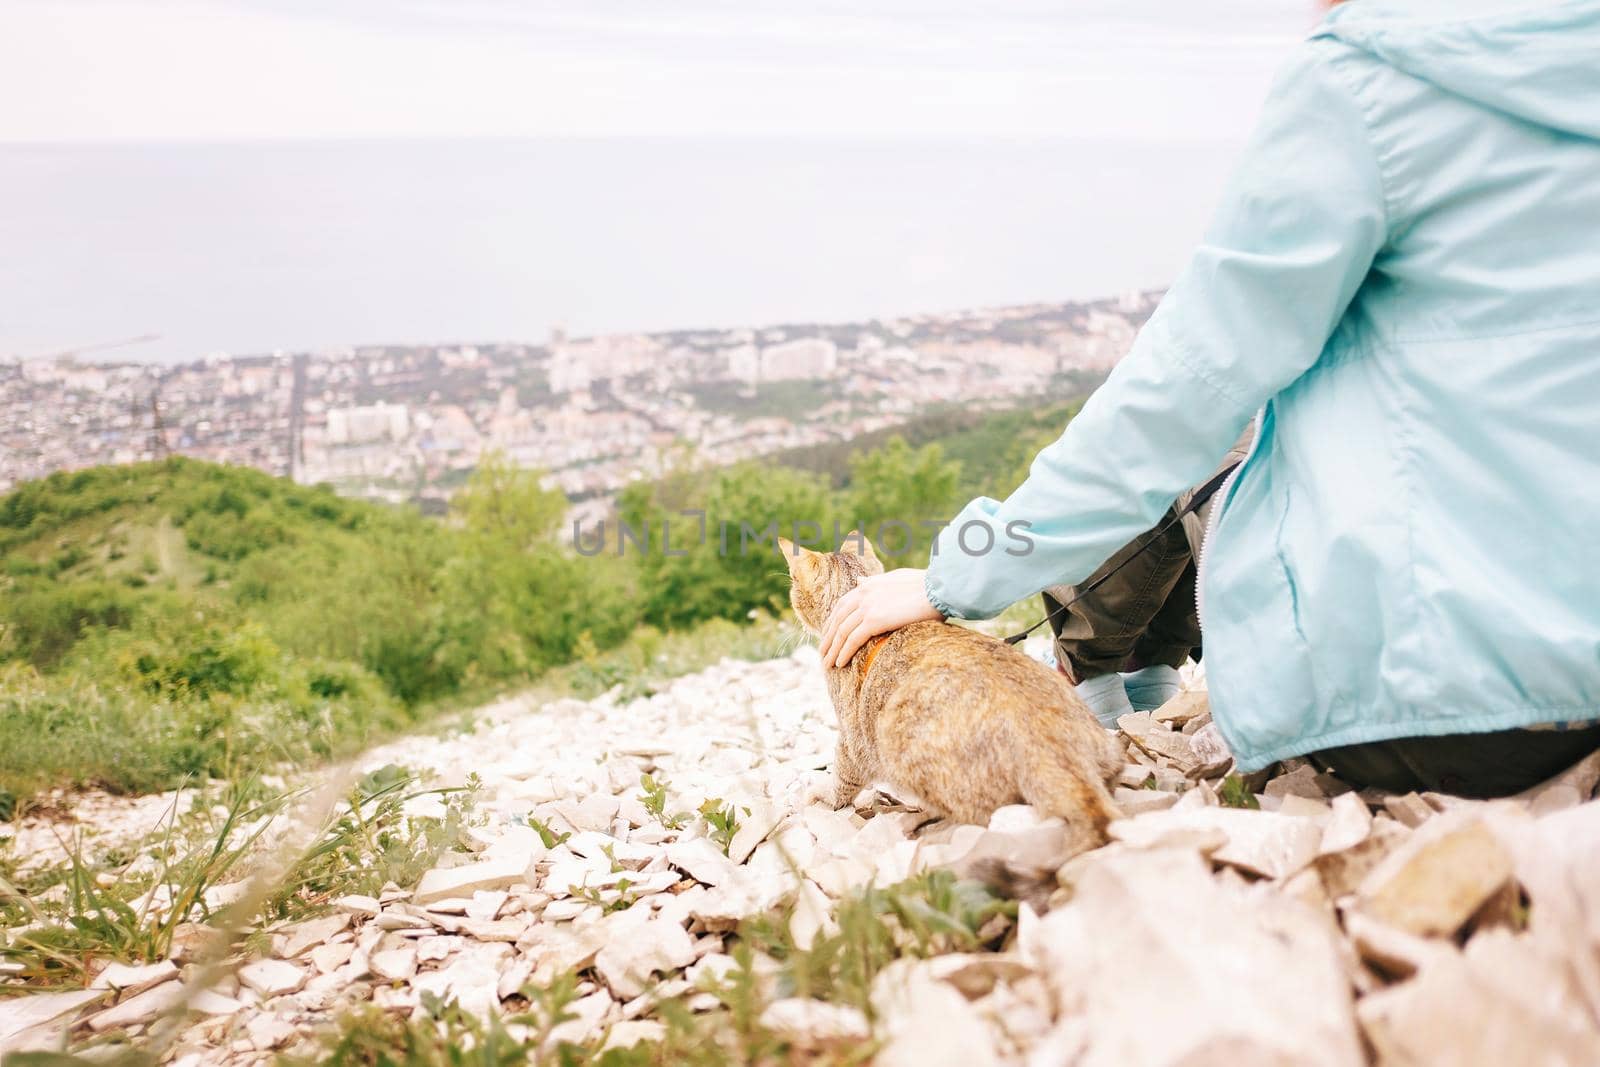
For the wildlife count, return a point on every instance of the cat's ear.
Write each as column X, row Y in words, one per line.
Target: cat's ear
column 792, row 554
column 856, row 544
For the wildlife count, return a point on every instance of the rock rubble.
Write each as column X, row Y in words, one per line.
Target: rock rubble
column 1325, row 927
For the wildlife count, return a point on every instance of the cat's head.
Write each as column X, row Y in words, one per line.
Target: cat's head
column 818, row 579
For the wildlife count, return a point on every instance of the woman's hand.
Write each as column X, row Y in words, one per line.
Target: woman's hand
column 880, row 603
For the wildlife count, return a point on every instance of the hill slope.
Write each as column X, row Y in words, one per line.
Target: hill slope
column 182, row 618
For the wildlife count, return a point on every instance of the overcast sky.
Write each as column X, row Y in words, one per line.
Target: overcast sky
column 147, row 69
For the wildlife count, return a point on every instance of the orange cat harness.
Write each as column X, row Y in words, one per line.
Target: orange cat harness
column 873, row 645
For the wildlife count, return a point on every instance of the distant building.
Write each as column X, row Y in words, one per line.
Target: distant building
column 807, row 357
column 368, row 423
column 797, row 360
column 744, row 364
column 576, row 365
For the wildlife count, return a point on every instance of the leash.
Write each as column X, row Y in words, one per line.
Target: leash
column 1201, row 495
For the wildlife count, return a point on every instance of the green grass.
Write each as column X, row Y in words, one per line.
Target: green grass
column 164, row 621
column 57, row 730
column 56, row 922
column 650, row 659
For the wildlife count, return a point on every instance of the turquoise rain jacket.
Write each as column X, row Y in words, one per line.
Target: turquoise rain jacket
column 1404, row 281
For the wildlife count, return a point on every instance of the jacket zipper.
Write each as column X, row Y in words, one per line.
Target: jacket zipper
column 1213, row 519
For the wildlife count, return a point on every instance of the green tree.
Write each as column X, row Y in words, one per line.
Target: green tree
column 509, row 502
column 733, row 567
column 899, row 484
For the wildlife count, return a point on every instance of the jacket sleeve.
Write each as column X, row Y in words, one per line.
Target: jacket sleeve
column 1299, row 226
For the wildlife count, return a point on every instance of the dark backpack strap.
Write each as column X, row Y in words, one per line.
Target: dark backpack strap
column 1204, row 493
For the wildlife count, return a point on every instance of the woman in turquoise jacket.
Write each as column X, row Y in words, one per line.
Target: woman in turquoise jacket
column 1402, row 289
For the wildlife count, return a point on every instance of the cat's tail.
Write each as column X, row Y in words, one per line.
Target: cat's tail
column 1080, row 799
column 1053, row 788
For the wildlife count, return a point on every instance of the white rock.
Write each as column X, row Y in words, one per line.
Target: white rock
column 702, row 861
column 1344, row 870
column 329, row 958
column 630, row 1032
column 1158, row 742
column 23, row 1013
column 497, row 873
column 396, row 919
column 307, row 935
column 555, row 950
column 812, row 1025
column 1042, row 847
column 839, row 876
column 575, row 872
column 471, row 979
column 1187, row 705
column 1263, row 842
column 1128, row 946
column 594, row 812
column 1571, row 787
column 636, row 948
column 565, row 910
column 497, row 930
column 1435, row 882
column 927, row 1023
column 1131, row 802
column 448, row 906
column 271, row 978
column 268, row 1032
column 358, row 905
column 976, row 973
column 140, row 1008
column 1506, row 999
column 588, row 1016
column 1349, row 825
column 754, row 826
column 654, row 882
column 1410, row 809
column 210, row 1002
column 514, row 977
column 711, row 970
column 132, row 979
column 1395, row 952
column 1211, row 753
column 434, row 949
column 813, row 915
column 394, row 965
column 833, row 830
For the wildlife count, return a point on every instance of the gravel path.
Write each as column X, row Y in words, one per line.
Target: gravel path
column 1326, row 927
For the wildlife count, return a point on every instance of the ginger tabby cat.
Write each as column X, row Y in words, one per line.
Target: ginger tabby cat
column 962, row 721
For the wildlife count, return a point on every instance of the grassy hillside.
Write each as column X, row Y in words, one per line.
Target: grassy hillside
column 181, row 618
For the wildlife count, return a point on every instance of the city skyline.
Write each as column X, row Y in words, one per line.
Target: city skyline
column 593, row 413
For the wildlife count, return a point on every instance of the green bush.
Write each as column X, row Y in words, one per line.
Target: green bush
column 44, row 619
column 735, row 567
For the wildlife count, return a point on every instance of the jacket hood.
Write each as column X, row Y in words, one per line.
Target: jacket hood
column 1538, row 60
